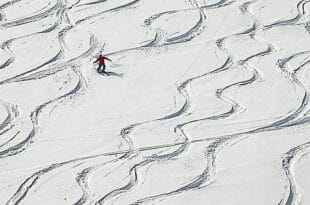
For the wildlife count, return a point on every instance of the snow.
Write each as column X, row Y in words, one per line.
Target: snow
column 207, row 102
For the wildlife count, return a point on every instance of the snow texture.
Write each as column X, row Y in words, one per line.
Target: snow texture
column 205, row 102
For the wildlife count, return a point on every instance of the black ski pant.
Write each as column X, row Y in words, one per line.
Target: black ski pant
column 99, row 68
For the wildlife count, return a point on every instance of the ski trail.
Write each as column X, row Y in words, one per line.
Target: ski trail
column 218, row 4
column 160, row 36
column 194, row 31
column 82, row 180
column 59, row 11
column 300, row 9
column 6, row 44
column 127, row 133
column 182, row 89
column 35, row 17
column 8, row 4
column 161, row 40
column 293, row 195
column 9, row 140
column 55, row 64
column 128, row 5
column 209, row 173
column 282, row 63
column 63, row 26
column 31, row 181
column 195, row 183
column 6, row 47
column 12, row 112
column 34, row 116
column 90, row 3
column 21, row 193
column 9, row 122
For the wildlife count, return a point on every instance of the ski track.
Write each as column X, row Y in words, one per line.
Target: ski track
column 56, row 64
column 293, row 194
column 214, row 148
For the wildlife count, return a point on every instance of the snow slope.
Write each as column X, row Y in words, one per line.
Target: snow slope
column 207, row 102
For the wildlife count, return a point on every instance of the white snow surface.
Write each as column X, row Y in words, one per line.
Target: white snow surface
column 206, row 102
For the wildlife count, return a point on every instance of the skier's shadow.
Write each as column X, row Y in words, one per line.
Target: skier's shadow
column 112, row 74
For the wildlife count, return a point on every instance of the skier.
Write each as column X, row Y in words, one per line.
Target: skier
column 101, row 60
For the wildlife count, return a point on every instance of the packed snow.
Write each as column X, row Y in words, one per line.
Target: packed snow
column 205, row 102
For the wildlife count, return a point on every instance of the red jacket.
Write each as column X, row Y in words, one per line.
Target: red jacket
column 102, row 59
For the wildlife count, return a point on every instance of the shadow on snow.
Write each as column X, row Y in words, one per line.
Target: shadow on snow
column 112, row 74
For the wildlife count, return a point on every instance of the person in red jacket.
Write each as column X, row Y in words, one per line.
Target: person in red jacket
column 101, row 60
